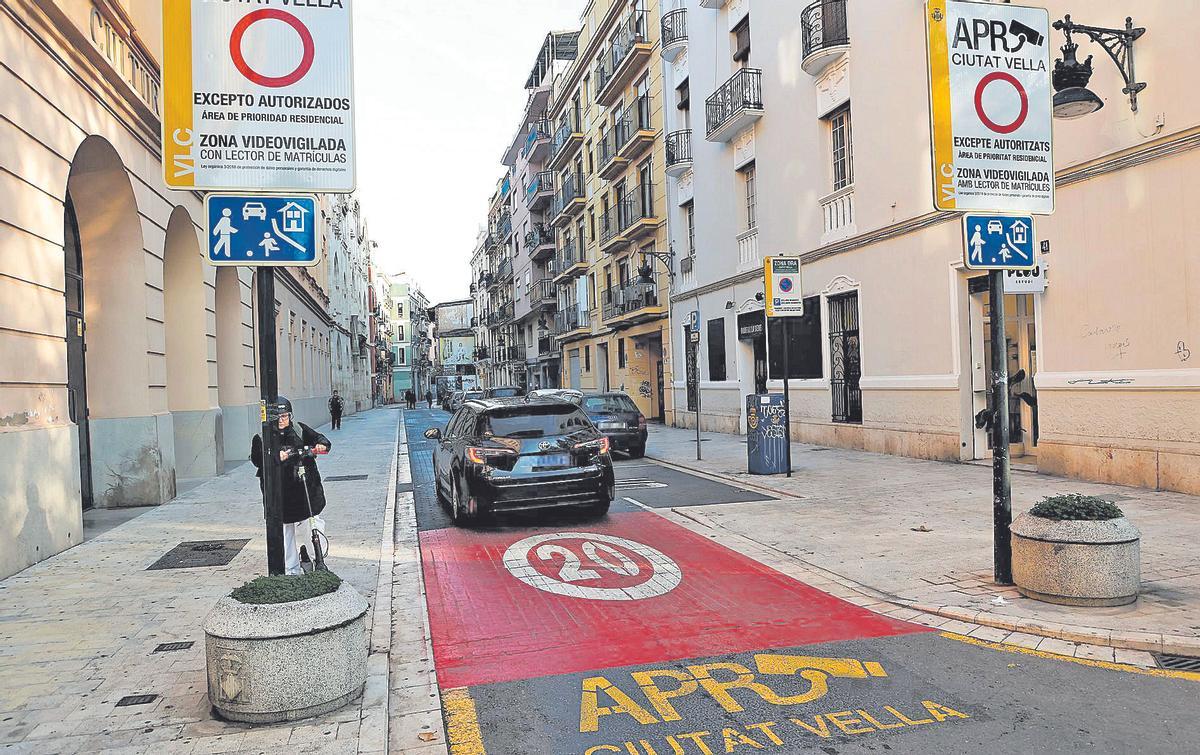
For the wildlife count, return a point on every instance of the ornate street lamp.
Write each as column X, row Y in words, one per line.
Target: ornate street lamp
column 1072, row 98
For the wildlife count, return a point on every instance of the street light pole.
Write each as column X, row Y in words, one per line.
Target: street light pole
column 269, row 387
column 1001, row 477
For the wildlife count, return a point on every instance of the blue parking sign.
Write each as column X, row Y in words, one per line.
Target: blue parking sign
column 998, row 242
column 258, row 229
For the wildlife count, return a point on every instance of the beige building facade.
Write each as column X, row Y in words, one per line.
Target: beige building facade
column 814, row 141
column 609, row 208
column 126, row 361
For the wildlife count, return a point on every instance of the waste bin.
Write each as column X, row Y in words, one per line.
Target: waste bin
column 766, row 434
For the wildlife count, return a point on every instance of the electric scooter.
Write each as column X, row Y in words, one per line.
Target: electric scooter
column 306, row 453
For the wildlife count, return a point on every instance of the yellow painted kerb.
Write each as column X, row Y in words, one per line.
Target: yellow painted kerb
column 177, row 93
column 1159, row 672
column 462, row 723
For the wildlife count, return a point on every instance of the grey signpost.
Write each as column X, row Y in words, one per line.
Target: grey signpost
column 784, row 298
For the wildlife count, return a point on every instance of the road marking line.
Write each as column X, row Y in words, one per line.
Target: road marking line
column 1159, row 672
column 462, row 723
column 639, row 504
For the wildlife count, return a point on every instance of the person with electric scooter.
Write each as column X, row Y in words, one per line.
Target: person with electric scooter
column 302, row 492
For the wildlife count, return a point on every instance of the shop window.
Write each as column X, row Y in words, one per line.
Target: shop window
column 804, row 344
column 716, row 350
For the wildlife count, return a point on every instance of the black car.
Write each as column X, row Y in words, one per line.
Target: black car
column 515, row 454
column 503, row 391
column 615, row 415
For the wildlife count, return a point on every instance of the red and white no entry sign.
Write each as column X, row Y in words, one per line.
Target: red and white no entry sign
column 1001, row 128
column 239, row 59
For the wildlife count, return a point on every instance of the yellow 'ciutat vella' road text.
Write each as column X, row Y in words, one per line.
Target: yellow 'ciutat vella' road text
column 768, row 735
column 663, row 688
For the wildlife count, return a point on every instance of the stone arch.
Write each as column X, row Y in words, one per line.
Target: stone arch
column 196, row 424
column 109, row 234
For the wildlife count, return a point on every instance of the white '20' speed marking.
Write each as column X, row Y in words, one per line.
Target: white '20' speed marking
column 602, row 551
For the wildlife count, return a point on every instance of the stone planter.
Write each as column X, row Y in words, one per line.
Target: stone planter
column 284, row 662
column 1076, row 563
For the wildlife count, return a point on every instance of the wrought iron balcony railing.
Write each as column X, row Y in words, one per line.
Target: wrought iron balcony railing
column 743, row 91
column 679, row 148
column 823, row 25
column 674, row 27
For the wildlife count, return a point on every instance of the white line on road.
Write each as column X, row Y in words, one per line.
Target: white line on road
column 639, row 503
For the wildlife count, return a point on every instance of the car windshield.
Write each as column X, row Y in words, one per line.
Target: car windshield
column 608, row 404
column 505, row 392
column 533, row 421
column 474, row 394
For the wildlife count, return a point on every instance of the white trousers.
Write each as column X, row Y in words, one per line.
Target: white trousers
column 296, row 535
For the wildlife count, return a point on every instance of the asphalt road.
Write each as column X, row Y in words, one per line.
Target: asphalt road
column 562, row 633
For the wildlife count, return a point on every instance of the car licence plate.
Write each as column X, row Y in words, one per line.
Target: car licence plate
column 611, row 426
column 552, row 461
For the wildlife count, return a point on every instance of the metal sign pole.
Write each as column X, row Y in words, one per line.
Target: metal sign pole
column 787, row 395
column 1001, row 478
column 269, row 385
column 695, row 347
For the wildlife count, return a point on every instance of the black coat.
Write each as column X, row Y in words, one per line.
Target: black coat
column 295, row 507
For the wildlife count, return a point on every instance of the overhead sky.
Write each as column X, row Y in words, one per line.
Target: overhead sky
column 440, row 89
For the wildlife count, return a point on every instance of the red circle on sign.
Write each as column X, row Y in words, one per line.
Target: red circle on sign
column 306, row 60
column 999, row 127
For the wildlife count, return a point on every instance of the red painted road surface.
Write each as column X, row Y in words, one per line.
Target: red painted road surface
column 492, row 625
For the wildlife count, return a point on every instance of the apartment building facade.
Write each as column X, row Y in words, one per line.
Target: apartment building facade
column 347, row 256
column 609, row 208
column 814, row 141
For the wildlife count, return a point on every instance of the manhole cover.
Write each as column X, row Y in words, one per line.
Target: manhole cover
column 199, row 554
column 345, row 478
column 128, row 700
column 170, row 647
column 1177, row 662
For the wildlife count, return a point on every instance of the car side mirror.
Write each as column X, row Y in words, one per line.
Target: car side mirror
column 433, row 433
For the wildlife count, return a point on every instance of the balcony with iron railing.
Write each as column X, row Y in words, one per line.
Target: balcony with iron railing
column 638, row 212
column 626, row 55
column 735, row 106
column 504, row 226
column 568, row 201
column 503, row 273
column 569, row 262
column 631, row 301
column 637, row 131
column 611, row 237
column 674, row 34
column 540, row 191
column 505, row 186
column 541, row 293
column 539, row 242
column 545, row 346
column 571, row 322
column 611, row 163
column 824, row 35
column 537, row 143
column 679, row 152
column 567, row 138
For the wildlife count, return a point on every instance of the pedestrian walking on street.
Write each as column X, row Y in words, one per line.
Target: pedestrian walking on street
column 410, row 399
column 429, row 398
column 336, row 405
column 294, row 437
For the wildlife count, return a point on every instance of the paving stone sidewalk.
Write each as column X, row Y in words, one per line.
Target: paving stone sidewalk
column 860, row 517
column 78, row 632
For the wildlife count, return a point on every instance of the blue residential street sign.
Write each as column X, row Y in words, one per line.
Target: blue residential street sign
column 998, row 242
column 260, row 229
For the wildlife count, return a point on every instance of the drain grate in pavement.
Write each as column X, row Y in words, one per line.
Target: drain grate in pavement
column 170, row 647
column 1115, row 497
column 404, row 487
column 639, row 483
column 129, row 700
column 346, row 477
column 199, row 554
column 1177, row 662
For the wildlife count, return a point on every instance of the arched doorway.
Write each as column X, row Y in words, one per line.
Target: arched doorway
column 107, row 369
column 196, row 424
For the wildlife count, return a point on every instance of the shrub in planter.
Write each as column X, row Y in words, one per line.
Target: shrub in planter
column 286, row 647
column 1076, row 550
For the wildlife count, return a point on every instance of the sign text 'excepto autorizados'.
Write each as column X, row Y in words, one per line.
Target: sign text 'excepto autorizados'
column 258, row 96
